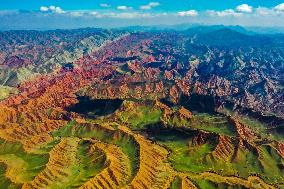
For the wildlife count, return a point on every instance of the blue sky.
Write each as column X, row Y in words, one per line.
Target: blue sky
column 165, row 5
column 48, row 14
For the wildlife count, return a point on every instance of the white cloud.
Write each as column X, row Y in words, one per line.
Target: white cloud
column 279, row 7
column 227, row 12
column 125, row 15
column 245, row 8
column 104, row 5
column 264, row 11
column 52, row 9
column 145, row 7
column 275, row 11
column 150, row 6
column 56, row 9
column 122, row 7
column 154, row 4
column 107, row 14
column 127, row 12
column 188, row 13
column 59, row 10
column 239, row 11
column 93, row 13
column 129, row 15
column 76, row 14
column 44, row 9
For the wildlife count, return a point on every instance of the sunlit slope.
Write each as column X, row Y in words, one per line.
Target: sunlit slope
column 145, row 110
column 115, row 152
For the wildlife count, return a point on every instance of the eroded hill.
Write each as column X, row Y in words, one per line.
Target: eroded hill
column 141, row 110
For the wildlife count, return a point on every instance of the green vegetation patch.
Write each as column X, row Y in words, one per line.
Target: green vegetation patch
column 88, row 163
column 6, row 91
column 207, row 184
column 129, row 147
column 20, row 166
column 95, row 131
column 139, row 116
column 183, row 157
column 5, row 183
column 262, row 129
column 176, row 184
column 212, row 123
column 84, row 131
column 187, row 157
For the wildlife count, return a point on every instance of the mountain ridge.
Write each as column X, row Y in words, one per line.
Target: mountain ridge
column 162, row 109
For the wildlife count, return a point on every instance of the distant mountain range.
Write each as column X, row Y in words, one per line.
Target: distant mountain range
column 180, row 27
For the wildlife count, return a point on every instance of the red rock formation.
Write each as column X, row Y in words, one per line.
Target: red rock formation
column 200, row 138
column 184, row 113
column 243, row 131
column 224, row 149
column 280, row 148
column 174, row 94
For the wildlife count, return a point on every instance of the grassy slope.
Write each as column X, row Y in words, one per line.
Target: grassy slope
column 184, row 156
column 255, row 125
column 5, row 91
column 19, row 165
column 140, row 116
column 212, row 123
column 188, row 158
column 126, row 143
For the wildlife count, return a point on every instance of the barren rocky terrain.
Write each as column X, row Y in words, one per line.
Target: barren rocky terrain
column 94, row 108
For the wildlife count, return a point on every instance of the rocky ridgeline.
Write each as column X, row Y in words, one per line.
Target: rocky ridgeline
column 170, row 74
column 248, row 76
